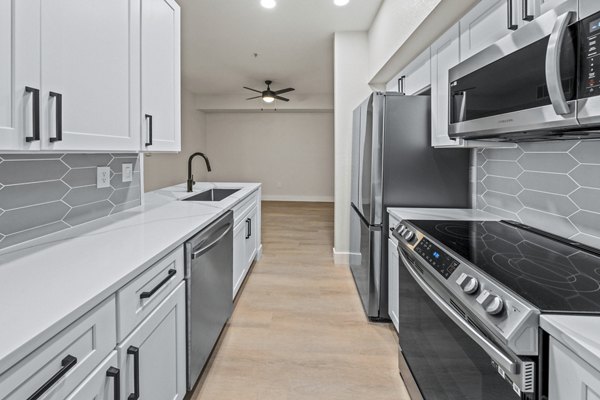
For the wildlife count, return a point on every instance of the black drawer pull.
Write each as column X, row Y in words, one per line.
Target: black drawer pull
column 115, row 373
column 67, row 363
column 170, row 275
column 35, row 115
column 135, row 352
column 510, row 24
column 248, row 228
column 59, row 129
column 149, row 136
column 526, row 15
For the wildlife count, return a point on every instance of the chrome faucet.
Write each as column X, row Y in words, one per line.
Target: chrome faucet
column 190, row 179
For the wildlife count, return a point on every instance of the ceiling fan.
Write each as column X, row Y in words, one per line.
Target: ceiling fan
column 269, row 95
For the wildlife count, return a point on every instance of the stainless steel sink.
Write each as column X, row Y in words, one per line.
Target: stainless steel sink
column 212, row 195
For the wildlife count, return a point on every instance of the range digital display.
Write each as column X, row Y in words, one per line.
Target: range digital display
column 595, row 25
column 437, row 258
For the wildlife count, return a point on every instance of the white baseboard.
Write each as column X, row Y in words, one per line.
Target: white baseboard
column 311, row 199
column 341, row 257
column 259, row 252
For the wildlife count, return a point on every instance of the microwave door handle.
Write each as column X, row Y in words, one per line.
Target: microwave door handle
column 495, row 353
column 553, row 76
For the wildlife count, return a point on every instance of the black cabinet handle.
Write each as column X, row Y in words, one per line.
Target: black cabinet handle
column 526, row 15
column 170, row 274
column 67, row 363
column 401, row 84
column 149, row 137
column 36, row 114
column 59, row 130
column 510, row 25
column 135, row 352
column 249, row 226
column 115, row 373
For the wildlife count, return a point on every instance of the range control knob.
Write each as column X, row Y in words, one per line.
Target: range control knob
column 491, row 303
column 401, row 228
column 467, row 283
column 408, row 235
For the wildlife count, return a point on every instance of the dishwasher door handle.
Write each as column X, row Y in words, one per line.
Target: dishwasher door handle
column 209, row 246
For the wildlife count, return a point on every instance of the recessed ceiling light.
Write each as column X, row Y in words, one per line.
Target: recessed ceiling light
column 268, row 3
column 341, row 3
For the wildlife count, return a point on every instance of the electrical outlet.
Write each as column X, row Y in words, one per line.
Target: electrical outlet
column 127, row 172
column 102, row 177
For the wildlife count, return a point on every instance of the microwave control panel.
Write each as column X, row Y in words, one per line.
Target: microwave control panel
column 590, row 56
column 436, row 257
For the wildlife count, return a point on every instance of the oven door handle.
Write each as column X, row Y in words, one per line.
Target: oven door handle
column 553, row 76
column 495, row 353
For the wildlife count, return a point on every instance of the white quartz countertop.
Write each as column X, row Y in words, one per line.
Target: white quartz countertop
column 581, row 334
column 46, row 284
column 467, row 214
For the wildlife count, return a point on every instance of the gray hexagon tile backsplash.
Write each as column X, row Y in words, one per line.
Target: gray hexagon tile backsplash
column 45, row 193
column 554, row 186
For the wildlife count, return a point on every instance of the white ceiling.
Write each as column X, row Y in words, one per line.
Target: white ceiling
column 294, row 42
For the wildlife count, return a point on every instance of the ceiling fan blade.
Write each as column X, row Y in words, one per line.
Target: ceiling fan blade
column 281, row 98
column 252, row 98
column 282, row 91
column 254, row 90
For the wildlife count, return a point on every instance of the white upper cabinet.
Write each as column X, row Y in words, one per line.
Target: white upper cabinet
column 445, row 54
column 483, row 25
column 415, row 78
column 489, row 21
column 88, row 79
column 19, row 75
column 547, row 5
column 161, row 77
column 81, row 75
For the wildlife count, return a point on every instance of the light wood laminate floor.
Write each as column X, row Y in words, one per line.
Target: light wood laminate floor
column 298, row 330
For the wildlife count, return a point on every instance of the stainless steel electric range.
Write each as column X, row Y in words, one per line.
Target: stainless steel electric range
column 471, row 293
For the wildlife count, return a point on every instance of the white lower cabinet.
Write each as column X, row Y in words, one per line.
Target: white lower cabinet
column 570, row 377
column 102, row 384
column 250, row 237
column 246, row 238
column 153, row 358
column 393, row 282
column 54, row 370
column 239, row 256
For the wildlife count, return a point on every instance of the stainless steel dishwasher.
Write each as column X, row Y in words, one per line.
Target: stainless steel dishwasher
column 209, row 276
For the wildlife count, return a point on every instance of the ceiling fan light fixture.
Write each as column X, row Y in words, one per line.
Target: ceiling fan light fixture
column 341, row 3
column 268, row 3
column 268, row 99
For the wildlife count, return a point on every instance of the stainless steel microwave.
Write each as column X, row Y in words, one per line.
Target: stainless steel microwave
column 541, row 82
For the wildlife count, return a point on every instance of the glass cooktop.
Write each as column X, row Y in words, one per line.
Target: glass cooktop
column 552, row 275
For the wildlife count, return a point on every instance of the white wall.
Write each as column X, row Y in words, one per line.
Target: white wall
column 402, row 30
column 351, row 69
column 291, row 154
column 237, row 102
column 394, row 23
column 162, row 170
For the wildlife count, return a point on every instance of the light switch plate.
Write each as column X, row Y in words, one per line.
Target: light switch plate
column 103, row 177
column 127, row 172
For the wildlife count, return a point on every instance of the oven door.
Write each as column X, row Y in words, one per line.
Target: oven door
column 441, row 355
column 523, row 83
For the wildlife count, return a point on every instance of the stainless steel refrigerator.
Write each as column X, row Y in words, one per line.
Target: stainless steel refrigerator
column 394, row 165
